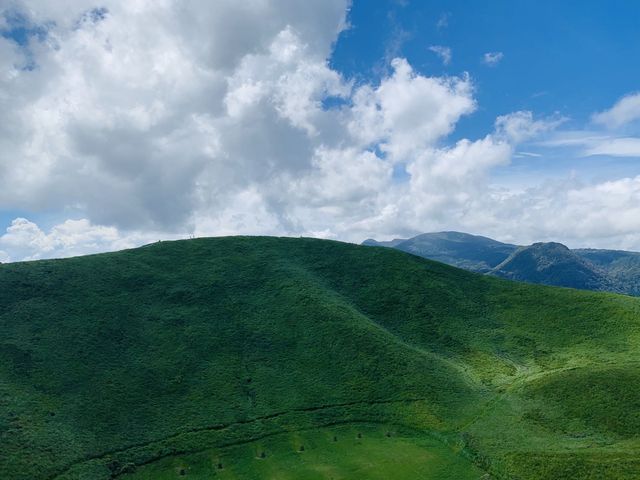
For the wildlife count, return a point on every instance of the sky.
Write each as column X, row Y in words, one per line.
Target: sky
column 123, row 122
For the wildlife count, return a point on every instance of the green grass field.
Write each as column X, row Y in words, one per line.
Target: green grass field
column 374, row 452
column 171, row 353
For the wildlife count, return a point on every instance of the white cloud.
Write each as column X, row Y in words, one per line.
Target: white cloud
column 211, row 120
column 594, row 143
column 139, row 123
column 605, row 214
column 443, row 21
column 521, row 126
column 408, row 112
column 615, row 147
column 142, row 126
column 625, row 110
column 599, row 215
column 443, row 52
column 343, row 177
column 492, row 58
column 26, row 241
column 445, row 182
column 527, row 155
column 574, row 138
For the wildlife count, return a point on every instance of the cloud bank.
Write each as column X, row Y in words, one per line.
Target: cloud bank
column 142, row 120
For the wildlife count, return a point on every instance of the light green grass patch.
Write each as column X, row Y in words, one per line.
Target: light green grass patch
column 380, row 453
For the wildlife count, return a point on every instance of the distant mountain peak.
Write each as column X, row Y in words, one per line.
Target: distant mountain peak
column 463, row 250
column 549, row 246
column 552, row 263
column 389, row 243
column 549, row 263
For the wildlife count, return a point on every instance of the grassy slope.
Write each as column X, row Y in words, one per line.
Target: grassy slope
column 182, row 346
column 329, row 453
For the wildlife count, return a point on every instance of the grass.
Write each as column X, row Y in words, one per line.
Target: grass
column 609, row 402
column 336, row 453
column 118, row 360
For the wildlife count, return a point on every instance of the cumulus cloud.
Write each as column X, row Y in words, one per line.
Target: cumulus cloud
column 123, row 117
column 408, row 112
column 605, row 214
column 492, row 58
column 149, row 120
column 445, row 182
column 521, row 126
column 443, row 52
column 625, row 110
column 26, row 241
column 206, row 120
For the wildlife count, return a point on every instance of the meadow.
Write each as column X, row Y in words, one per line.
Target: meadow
column 376, row 452
column 154, row 362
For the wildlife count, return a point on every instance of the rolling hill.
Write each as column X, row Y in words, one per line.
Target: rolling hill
column 548, row 263
column 258, row 357
column 553, row 264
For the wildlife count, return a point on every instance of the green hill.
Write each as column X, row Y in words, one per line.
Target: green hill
column 166, row 358
column 553, row 264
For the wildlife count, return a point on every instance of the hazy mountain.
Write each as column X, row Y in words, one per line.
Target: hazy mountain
column 472, row 252
column 545, row 263
column 390, row 243
column 623, row 268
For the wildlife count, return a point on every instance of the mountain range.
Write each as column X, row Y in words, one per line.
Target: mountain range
column 547, row 263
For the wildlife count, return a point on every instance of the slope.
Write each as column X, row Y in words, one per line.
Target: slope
column 553, row 264
column 117, row 360
column 622, row 267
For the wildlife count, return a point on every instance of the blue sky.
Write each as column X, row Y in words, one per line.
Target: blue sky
column 573, row 57
column 519, row 120
column 570, row 58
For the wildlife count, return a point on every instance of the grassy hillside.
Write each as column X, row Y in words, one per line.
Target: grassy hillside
column 113, row 361
column 338, row 452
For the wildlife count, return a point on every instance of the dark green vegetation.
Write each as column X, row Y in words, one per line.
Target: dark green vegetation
column 112, row 361
column 622, row 268
column 543, row 263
